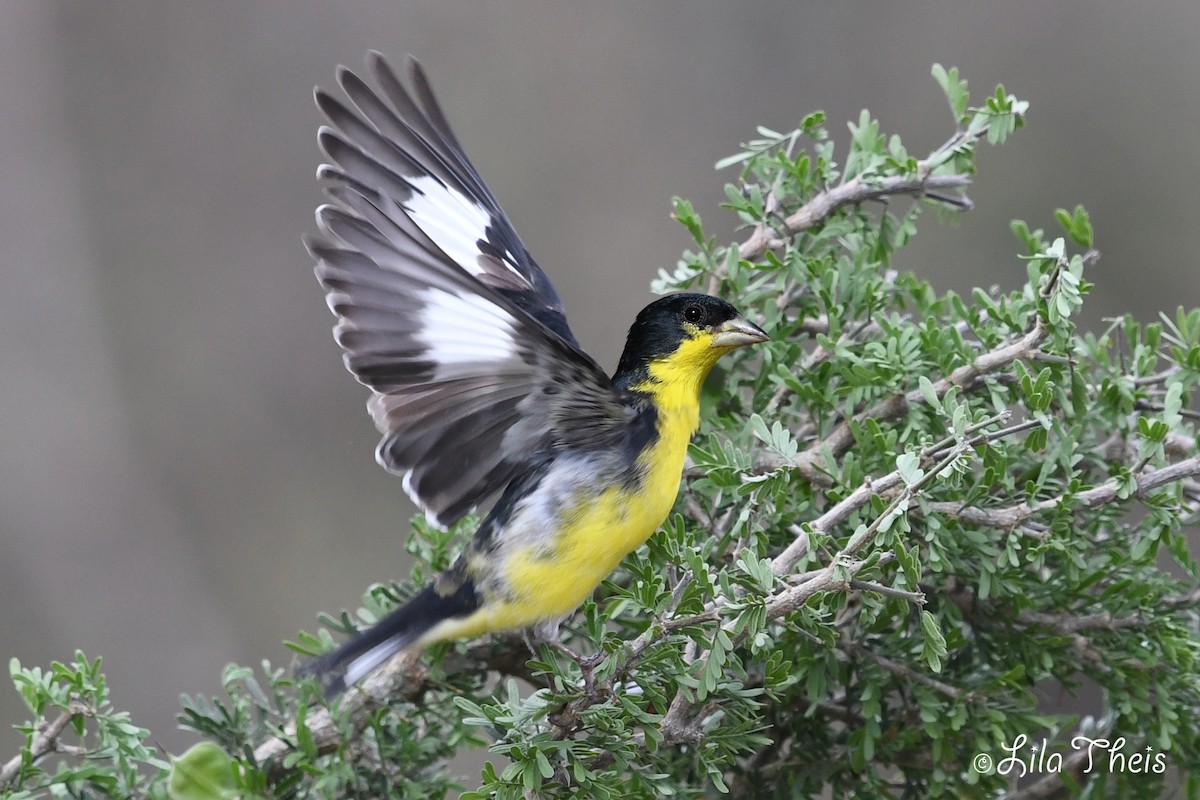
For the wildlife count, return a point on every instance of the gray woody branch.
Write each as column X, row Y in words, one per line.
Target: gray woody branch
column 45, row 742
column 924, row 182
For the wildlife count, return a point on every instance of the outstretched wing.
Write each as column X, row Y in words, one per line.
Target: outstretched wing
column 401, row 143
column 474, row 374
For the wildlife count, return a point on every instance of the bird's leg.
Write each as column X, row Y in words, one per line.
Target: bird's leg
column 546, row 632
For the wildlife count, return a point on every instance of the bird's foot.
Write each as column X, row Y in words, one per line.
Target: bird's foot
column 547, row 633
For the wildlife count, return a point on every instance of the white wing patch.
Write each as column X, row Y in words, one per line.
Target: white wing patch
column 453, row 222
column 464, row 329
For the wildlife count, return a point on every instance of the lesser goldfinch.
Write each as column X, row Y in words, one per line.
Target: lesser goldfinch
column 478, row 385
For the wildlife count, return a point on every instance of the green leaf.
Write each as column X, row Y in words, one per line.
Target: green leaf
column 955, row 90
column 934, row 650
column 685, row 214
column 204, row 772
column 929, row 393
column 1076, row 225
column 910, row 565
column 908, row 464
column 543, row 764
column 1173, row 405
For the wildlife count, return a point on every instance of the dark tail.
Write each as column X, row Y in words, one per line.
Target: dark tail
column 358, row 657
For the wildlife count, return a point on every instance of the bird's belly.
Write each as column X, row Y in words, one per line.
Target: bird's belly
column 552, row 577
column 588, row 548
column 546, row 575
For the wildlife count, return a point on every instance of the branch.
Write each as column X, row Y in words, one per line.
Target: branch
column 965, row 377
column 921, row 183
column 404, row 677
column 1010, row 517
column 903, row 671
column 786, row 561
column 839, row 574
column 862, row 188
column 916, row 598
column 854, row 191
column 45, row 742
column 1189, row 600
column 1068, row 624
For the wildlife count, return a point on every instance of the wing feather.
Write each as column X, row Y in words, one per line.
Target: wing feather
column 441, row 312
column 405, row 134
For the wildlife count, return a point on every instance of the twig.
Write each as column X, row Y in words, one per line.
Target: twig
column 904, row 671
column 889, row 591
column 1011, row 430
column 1009, row 517
column 859, row 189
column 45, row 742
column 854, row 191
column 1068, row 624
column 1143, row 405
column 1158, row 377
column 1182, row 600
column 783, row 563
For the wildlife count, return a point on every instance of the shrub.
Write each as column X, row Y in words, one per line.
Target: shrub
column 904, row 518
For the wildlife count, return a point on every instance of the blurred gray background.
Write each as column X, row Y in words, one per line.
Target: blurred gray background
column 186, row 471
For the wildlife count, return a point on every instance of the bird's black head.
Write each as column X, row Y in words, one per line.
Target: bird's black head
column 685, row 334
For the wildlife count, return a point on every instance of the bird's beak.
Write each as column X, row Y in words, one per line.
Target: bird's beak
column 738, row 332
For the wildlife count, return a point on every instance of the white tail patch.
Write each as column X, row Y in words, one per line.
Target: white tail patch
column 362, row 666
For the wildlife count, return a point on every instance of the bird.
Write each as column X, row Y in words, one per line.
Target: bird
column 480, row 389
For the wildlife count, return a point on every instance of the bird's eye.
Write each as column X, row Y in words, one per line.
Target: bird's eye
column 693, row 313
